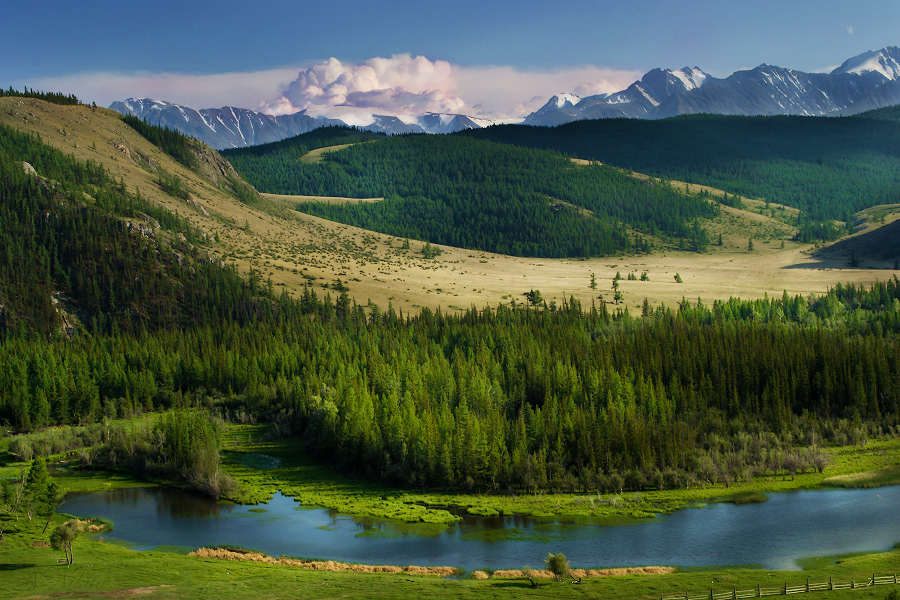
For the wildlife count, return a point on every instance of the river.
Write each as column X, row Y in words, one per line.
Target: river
column 771, row 535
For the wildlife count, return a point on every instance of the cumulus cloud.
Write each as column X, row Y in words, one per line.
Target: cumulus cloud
column 401, row 84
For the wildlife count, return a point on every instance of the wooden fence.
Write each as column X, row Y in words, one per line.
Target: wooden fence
column 786, row 589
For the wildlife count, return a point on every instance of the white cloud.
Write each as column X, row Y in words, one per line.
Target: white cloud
column 849, row 29
column 399, row 85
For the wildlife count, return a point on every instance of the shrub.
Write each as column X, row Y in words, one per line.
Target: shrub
column 558, row 565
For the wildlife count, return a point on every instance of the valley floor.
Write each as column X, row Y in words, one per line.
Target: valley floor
column 293, row 249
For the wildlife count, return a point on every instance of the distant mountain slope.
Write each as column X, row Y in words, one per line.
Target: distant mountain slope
column 230, row 127
column 880, row 244
column 870, row 80
column 825, row 167
column 226, row 127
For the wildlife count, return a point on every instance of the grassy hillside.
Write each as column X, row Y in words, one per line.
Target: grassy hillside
column 827, row 167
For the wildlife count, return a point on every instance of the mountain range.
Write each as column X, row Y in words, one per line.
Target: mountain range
column 865, row 82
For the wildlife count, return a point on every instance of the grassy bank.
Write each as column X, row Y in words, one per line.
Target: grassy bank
column 103, row 570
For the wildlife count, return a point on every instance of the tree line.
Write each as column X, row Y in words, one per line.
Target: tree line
column 509, row 397
column 172, row 142
column 54, row 97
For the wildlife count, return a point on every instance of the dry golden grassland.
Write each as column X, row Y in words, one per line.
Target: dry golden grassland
column 295, row 249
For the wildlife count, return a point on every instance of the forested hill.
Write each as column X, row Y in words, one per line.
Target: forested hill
column 889, row 113
column 827, row 167
column 481, row 195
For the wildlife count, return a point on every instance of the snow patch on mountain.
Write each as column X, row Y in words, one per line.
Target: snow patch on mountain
column 690, row 78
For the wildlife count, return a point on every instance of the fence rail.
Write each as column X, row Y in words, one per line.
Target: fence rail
column 784, row 590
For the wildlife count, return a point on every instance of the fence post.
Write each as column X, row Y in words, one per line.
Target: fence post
column 784, row 593
column 758, row 591
column 853, row 583
column 873, row 579
column 807, row 585
column 830, row 584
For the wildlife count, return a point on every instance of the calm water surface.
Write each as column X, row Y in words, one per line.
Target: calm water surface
column 771, row 534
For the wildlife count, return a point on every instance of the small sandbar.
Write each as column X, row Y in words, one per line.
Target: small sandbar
column 321, row 565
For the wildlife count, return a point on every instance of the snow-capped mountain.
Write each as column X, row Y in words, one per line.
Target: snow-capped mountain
column 870, row 80
column 865, row 82
column 226, row 127
column 230, row 127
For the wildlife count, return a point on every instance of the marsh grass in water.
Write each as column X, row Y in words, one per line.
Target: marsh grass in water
column 748, row 497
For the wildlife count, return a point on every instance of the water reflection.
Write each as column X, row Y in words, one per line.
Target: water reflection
column 168, row 503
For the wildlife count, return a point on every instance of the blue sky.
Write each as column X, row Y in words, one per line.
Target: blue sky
column 495, row 57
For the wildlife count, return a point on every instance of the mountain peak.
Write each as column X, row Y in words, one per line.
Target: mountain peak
column 885, row 61
column 692, row 78
column 563, row 100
